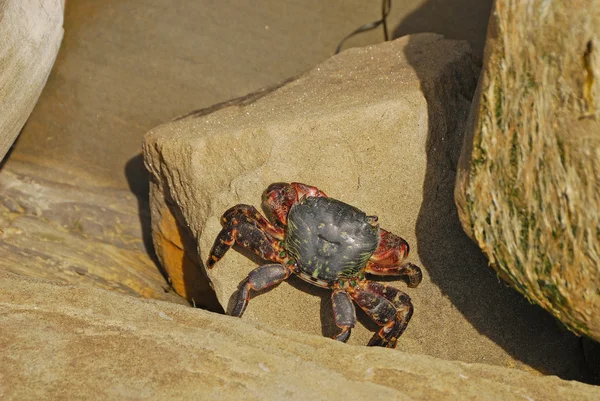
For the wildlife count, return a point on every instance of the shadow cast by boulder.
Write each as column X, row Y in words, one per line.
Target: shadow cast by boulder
column 456, row 265
column 138, row 180
column 455, row 19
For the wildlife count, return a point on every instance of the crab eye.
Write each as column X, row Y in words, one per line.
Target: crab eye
column 372, row 220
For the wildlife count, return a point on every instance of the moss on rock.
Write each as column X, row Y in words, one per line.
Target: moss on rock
column 528, row 187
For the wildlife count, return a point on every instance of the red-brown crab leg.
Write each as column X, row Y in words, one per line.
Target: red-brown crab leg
column 344, row 314
column 387, row 306
column 387, row 260
column 231, row 214
column 279, row 197
column 259, row 279
column 246, row 232
column 243, row 225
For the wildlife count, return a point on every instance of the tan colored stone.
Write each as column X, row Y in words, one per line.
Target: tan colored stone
column 31, row 33
column 529, row 178
column 69, row 342
column 175, row 247
column 379, row 128
column 58, row 227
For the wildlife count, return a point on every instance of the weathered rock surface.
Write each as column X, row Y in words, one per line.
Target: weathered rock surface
column 68, row 342
column 177, row 251
column 31, row 33
column 380, row 128
column 57, row 226
column 528, row 187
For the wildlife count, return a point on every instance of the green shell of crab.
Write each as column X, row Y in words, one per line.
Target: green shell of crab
column 330, row 239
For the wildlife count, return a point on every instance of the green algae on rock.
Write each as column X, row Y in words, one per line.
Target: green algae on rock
column 528, row 185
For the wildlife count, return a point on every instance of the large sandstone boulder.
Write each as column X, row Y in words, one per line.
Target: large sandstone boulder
column 68, row 342
column 380, row 128
column 528, row 188
column 30, row 32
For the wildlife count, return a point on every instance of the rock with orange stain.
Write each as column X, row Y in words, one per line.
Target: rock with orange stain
column 177, row 253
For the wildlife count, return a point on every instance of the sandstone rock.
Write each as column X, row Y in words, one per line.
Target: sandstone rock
column 379, row 128
column 31, row 33
column 176, row 249
column 56, row 226
column 68, row 342
column 528, row 188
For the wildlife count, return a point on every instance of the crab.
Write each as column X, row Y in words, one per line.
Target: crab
column 327, row 243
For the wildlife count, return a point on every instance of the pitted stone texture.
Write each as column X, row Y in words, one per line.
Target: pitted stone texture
column 70, row 342
column 379, row 128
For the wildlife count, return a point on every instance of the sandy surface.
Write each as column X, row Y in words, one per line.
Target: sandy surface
column 125, row 67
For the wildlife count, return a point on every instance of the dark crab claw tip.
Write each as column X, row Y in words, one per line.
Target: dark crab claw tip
column 415, row 278
column 381, row 342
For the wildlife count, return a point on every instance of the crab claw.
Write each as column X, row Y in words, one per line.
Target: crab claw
column 278, row 193
column 279, row 197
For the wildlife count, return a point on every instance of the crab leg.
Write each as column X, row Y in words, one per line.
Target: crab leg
column 245, row 232
column 387, row 260
column 344, row 314
column 230, row 216
column 412, row 272
column 388, row 307
column 259, row 279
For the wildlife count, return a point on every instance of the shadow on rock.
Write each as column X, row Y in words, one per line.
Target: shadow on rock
column 455, row 19
column 455, row 264
column 138, row 180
